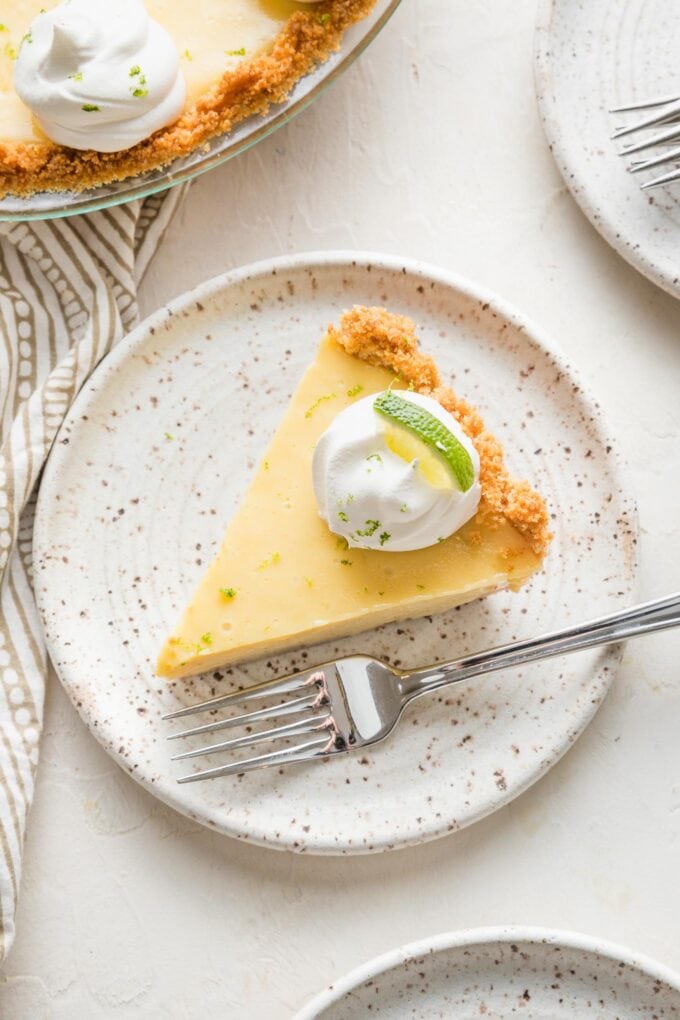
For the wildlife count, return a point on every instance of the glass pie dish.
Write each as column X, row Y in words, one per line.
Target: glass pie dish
column 55, row 204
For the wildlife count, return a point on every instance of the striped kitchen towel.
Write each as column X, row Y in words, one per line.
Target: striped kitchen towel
column 68, row 293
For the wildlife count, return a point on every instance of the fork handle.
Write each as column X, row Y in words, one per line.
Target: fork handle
column 647, row 618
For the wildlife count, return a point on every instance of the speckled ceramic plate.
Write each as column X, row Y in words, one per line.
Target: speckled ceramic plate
column 502, row 972
column 128, row 520
column 591, row 57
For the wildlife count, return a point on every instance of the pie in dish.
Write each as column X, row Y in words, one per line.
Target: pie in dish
column 232, row 59
column 283, row 578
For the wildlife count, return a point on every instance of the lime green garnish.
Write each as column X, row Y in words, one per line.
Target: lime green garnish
column 346, row 563
column 78, row 76
column 317, row 403
column 324, row 19
column 355, row 391
column 4, row 28
column 187, row 55
column 370, row 529
column 90, row 108
column 168, row 435
column 236, row 53
column 140, row 90
column 229, row 593
column 343, row 516
column 413, row 433
column 206, row 638
column 270, row 561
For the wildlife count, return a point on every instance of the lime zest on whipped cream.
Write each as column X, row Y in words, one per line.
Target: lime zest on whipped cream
column 381, row 486
column 413, row 433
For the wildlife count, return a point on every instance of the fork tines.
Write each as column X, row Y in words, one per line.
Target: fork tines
column 666, row 116
column 303, row 697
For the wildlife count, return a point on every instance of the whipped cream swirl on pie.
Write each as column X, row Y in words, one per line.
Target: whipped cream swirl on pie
column 100, row 76
column 376, row 500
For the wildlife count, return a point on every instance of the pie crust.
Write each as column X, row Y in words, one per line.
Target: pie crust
column 383, row 338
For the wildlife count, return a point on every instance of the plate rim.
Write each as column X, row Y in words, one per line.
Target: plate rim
column 607, row 229
column 204, row 292
column 127, row 190
column 481, row 936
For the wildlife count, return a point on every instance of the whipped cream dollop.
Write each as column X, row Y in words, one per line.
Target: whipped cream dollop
column 100, row 76
column 376, row 500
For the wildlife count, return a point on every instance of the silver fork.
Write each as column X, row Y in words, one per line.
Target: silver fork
column 666, row 116
column 356, row 701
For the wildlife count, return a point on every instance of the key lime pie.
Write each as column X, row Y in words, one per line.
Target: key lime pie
column 93, row 91
column 382, row 496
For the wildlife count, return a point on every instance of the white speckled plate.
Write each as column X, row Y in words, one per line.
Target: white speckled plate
column 501, row 972
column 591, row 57
column 128, row 520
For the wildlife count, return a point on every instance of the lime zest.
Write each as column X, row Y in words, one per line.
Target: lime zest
column 355, row 390
column 370, row 529
column 228, row 593
column 317, row 403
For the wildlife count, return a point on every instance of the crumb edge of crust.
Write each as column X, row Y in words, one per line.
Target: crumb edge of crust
column 388, row 340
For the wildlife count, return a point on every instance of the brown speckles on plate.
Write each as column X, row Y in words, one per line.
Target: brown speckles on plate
column 500, row 973
column 452, row 761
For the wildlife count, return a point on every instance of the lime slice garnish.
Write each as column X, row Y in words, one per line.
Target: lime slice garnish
column 413, row 433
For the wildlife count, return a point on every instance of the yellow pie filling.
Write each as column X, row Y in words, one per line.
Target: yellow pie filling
column 282, row 578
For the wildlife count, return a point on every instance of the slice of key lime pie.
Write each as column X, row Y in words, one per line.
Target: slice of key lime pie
column 93, row 91
column 384, row 497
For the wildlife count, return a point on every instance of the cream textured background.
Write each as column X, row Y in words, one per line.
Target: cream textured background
column 429, row 147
